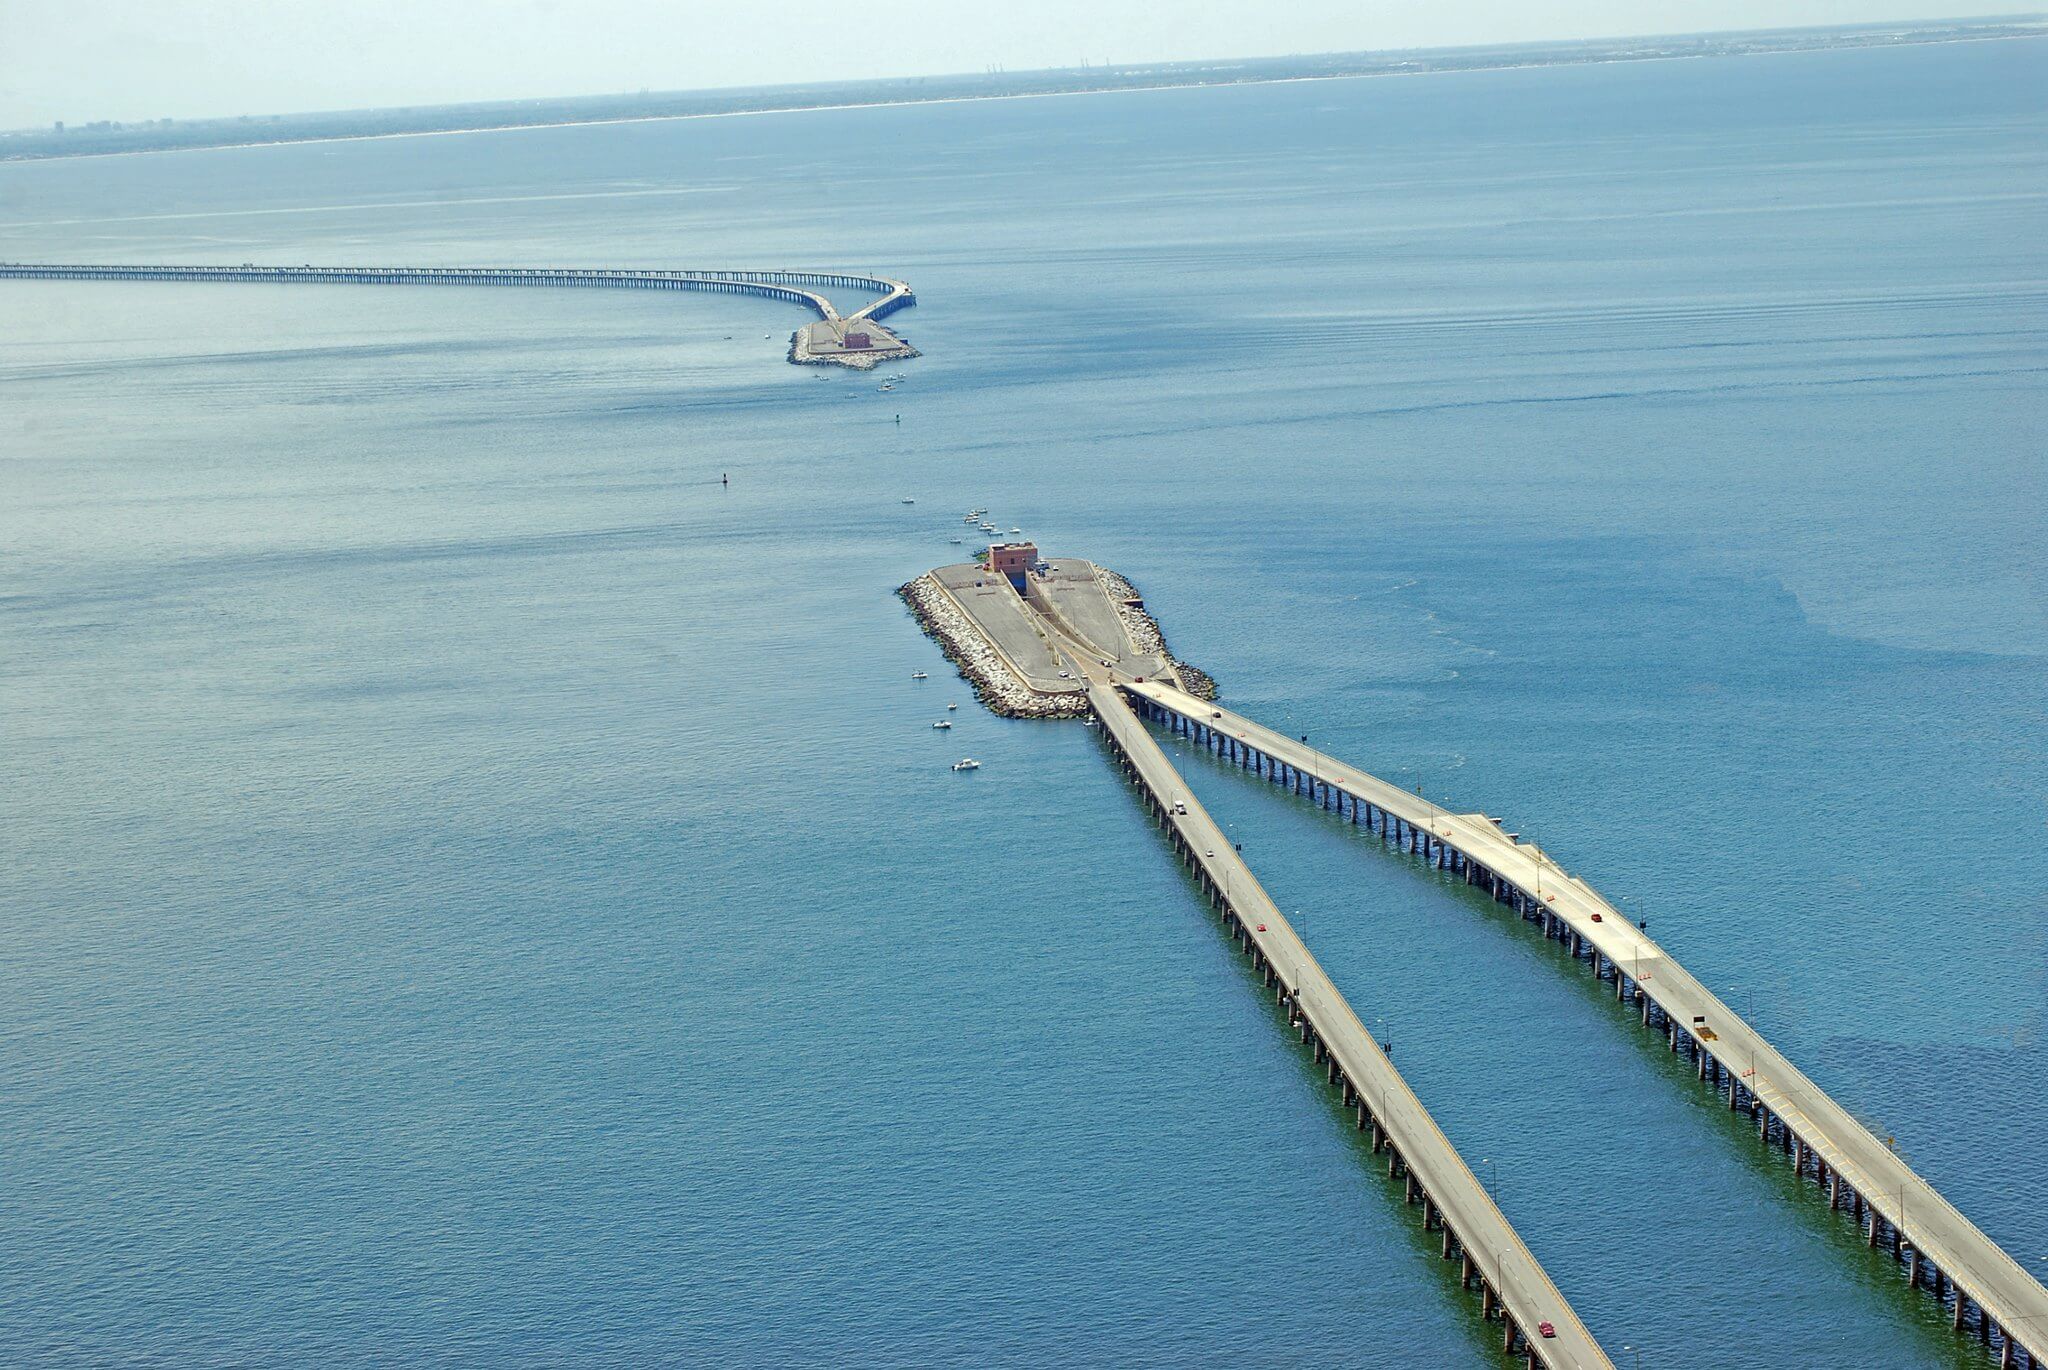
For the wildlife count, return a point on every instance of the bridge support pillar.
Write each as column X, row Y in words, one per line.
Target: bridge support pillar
column 1485, row 1300
column 1465, row 1271
column 1412, row 1191
column 1447, row 1238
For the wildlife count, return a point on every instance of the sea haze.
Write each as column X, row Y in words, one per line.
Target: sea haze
column 479, row 890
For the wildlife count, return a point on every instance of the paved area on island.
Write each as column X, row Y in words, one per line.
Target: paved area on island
column 1015, row 631
column 1071, row 590
column 1982, row 1269
column 1495, row 1248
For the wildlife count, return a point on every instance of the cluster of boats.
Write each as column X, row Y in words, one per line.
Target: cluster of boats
column 979, row 517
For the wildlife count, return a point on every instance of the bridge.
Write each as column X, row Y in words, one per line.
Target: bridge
column 1536, row 1321
column 798, row 287
column 1063, row 628
column 1985, row 1291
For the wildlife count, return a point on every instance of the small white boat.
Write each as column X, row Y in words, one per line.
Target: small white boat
column 918, row 675
column 910, row 501
column 951, row 707
column 943, row 723
column 956, row 542
column 966, row 763
column 1014, row 530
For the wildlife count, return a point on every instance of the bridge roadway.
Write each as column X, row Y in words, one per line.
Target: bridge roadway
column 1452, row 1199
column 1938, row 1245
column 782, row 285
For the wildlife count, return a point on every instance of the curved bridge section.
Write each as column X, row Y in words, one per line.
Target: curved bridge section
column 798, row 287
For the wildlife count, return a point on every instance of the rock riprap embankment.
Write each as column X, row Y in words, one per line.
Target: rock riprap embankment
column 1145, row 634
column 980, row 665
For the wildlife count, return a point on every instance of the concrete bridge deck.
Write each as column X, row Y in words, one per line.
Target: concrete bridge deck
column 1453, row 1202
column 1988, row 1291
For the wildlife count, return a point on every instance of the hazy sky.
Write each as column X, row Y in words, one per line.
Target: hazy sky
column 136, row 59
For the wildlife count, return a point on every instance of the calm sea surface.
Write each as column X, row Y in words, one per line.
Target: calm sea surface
column 475, row 890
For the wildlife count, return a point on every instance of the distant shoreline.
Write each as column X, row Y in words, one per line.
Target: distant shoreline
column 45, row 146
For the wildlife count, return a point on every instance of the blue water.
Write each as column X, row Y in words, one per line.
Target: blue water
column 477, row 890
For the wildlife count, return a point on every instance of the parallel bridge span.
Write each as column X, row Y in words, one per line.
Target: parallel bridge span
column 1986, row 1290
column 782, row 285
column 1536, row 1321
